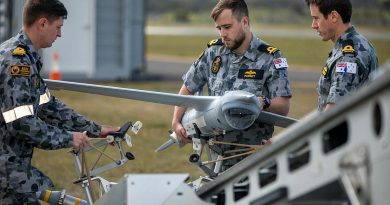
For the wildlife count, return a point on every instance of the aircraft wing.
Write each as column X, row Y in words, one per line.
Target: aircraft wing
column 275, row 119
column 198, row 102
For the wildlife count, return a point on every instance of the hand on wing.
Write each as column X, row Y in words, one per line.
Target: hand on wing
column 80, row 140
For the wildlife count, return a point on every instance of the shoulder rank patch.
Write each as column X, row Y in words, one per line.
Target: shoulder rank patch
column 20, row 70
column 201, row 55
column 198, row 59
column 19, row 51
column 215, row 42
column 250, row 74
column 267, row 48
column 348, row 47
column 216, row 64
column 325, row 71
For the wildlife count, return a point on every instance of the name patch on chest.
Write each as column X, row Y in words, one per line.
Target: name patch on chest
column 250, row 74
column 346, row 67
column 280, row 63
column 20, row 70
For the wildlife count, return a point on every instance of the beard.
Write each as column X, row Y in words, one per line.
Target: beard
column 236, row 43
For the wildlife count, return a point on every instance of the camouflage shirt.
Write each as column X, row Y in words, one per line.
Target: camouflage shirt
column 30, row 118
column 261, row 70
column 348, row 67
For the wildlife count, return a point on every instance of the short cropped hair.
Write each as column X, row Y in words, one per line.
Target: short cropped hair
column 36, row 9
column 343, row 7
column 238, row 7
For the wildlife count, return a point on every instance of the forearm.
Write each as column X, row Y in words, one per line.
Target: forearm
column 59, row 115
column 177, row 115
column 179, row 111
column 279, row 105
column 328, row 106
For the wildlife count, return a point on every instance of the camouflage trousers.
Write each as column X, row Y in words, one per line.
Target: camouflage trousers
column 18, row 199
column 19, row 187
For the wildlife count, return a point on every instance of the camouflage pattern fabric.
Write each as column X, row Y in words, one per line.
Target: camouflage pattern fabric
column 349, row 66
column 256, row 71
column 31, row 117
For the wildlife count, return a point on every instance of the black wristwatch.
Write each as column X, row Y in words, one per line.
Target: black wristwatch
column 266, row 102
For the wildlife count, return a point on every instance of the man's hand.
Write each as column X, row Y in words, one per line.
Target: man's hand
column 106, row 129
column 328, row 106
column 178, row 113
column 180, row 132
column 80, row 140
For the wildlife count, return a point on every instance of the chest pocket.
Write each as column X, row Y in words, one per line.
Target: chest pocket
column 250, row 80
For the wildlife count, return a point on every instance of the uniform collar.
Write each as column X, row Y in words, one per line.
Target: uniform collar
column 351, row 31
column 25, row 41
column 251, row 52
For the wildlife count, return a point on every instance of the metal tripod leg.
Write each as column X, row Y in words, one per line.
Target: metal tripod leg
column 85, row 185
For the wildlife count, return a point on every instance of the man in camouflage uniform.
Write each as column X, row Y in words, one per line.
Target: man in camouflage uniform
column 31, row 117
column 238, row 61
column 352, row 59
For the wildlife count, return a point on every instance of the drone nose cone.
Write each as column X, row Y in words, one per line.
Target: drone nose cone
column 240, row 108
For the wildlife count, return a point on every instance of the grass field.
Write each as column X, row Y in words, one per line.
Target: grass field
column 306, row 54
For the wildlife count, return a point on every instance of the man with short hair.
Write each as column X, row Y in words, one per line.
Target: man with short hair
column 352, row 59
column 222, row 67
column 30, row 116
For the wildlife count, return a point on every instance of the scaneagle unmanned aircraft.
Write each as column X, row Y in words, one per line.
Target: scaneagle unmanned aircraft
column 205, row 117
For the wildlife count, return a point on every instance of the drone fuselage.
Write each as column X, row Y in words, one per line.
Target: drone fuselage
column 236, row 110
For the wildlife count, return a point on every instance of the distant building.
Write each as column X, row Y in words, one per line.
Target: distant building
column 5, row 20
column 101, row 40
